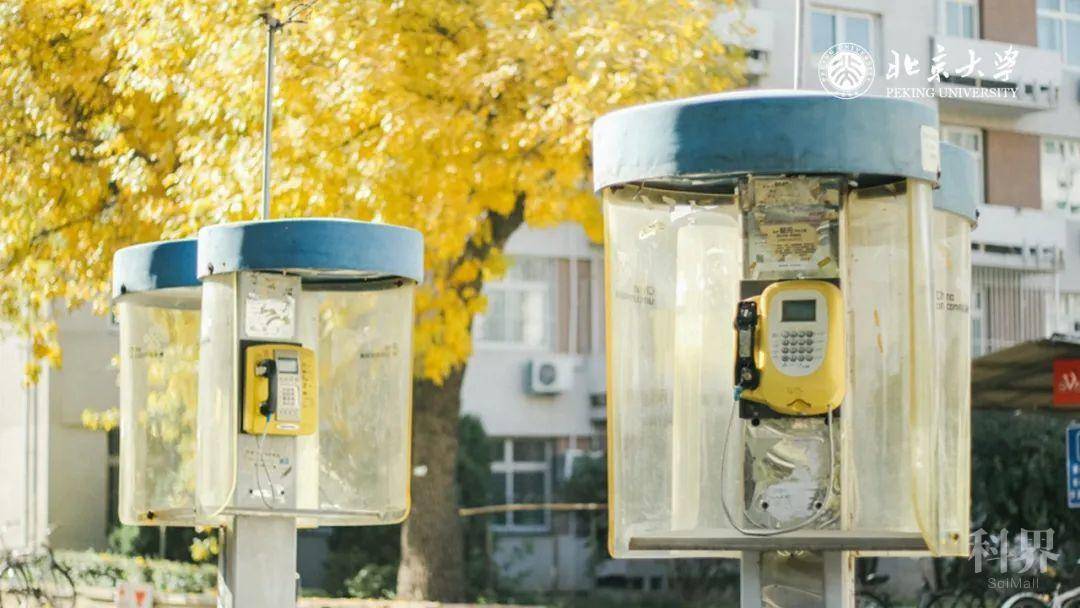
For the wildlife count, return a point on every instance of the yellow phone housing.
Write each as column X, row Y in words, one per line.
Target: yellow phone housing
column 799, row 348
column 257, row 391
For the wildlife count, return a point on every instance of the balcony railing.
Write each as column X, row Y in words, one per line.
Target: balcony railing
column 1011, row 306
column 1017, row 258
column 1032, row 83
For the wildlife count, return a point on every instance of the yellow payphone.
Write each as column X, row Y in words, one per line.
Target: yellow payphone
column 280, row 390
column 791, row 347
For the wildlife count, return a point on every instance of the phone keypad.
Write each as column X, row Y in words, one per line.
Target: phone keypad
column 797, row 350
column 288, row 402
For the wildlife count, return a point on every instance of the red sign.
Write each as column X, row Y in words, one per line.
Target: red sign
column 134, row 595
column 1066, row 383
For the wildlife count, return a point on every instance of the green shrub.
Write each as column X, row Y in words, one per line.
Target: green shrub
column 359, row 557
column 474, row 490
column 376, row 581
column 1018, row 482
column 106, row 570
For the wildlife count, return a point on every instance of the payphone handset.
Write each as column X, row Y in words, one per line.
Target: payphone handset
column 791, row 347
column 280, row 392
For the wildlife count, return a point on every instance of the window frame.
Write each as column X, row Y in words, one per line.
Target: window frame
column 1063, row 145
column 579, row 340
column 976, row 16
column 546, row 288
column 840, row 26
column 508, row 467
column 1060, row 18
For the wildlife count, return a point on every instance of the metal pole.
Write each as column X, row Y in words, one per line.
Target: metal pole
column 257, row 564
column 272, row 26
column 797, row 579
column 798, row 44
column 257, row 559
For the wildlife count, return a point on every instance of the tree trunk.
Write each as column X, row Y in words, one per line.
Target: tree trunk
column 432, row 545
column 432, row 550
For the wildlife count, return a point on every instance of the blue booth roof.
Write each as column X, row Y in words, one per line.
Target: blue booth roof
column 154, row 266
column 316, row 249
column 715, row 138
column 959, row 189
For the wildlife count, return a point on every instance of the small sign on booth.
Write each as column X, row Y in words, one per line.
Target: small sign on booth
column 134, row 595
column 1066, row 383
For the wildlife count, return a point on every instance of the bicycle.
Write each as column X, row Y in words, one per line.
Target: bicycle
column 35, row 579
column 866, row 579
column 1057, row 599
column 950, row 589
column 962, row 597
column 865, row 597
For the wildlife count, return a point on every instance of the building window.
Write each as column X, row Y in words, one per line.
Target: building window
column 1060, row 168
column 970, row 139
column 962, row 18
column 1059, row 28
column 520, row 306
column 1069, row 314
column 521, row 474
column 829, row 27
column 542, row 304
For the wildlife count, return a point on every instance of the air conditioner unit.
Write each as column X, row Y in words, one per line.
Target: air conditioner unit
column 549, row 375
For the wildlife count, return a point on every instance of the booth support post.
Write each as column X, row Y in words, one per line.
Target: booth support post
column 257, row 566
column 797, row 579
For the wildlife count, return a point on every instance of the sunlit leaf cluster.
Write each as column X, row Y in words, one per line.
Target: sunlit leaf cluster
column 136, row 120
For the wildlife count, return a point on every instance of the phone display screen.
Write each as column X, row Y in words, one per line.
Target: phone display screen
column 288, row 365
column 798, row 310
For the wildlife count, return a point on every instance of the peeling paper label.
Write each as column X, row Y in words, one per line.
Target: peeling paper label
column 798, row 241
column 270, row 306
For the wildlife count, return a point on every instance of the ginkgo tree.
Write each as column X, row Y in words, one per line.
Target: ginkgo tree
column 134, row 120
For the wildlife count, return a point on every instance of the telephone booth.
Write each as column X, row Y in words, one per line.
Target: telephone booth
column 775, row 373
column 156, row 298
column 305, row 374
column 955, row 214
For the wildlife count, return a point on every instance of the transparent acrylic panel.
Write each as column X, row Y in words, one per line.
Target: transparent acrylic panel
column 217, row 418
column 925, row 419
column 672, row 286
column 888, row 296
column 364, row 356
column 159, row 355
column 952, row 395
